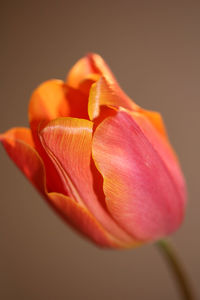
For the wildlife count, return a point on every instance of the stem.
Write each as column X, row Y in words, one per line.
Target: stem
column 177, row 269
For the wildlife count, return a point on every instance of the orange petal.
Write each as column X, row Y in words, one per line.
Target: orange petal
column 18, row 133
column 107, row 92
column 78, row 103
column 67, row 141
column 156, row 120
column 141, row 193
column 87, row 82
column 53, row 99
column 81, row 219
column 100, row 67
column 89, row 66
column 48, row 102
column 81, row 70
column 19, row 146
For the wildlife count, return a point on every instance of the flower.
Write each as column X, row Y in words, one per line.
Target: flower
column 101, row 161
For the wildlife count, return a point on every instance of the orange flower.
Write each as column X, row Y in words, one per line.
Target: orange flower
column 101, row 161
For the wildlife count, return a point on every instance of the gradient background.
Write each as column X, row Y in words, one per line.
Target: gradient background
column 153, row 47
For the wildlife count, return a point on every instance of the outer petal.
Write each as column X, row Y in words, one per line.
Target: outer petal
column 141, row 193
column 162, row 146
column 81, row 219
column 19, row 146
column 67, row 141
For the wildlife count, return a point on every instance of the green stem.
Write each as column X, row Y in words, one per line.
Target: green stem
column 177, row 269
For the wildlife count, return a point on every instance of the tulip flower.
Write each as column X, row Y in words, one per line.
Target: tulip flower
column 102, row 162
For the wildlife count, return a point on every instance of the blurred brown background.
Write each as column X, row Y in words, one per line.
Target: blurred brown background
column 153, row 47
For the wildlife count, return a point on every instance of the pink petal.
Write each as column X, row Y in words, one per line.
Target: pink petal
column 141, row 193
column 159, row 140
